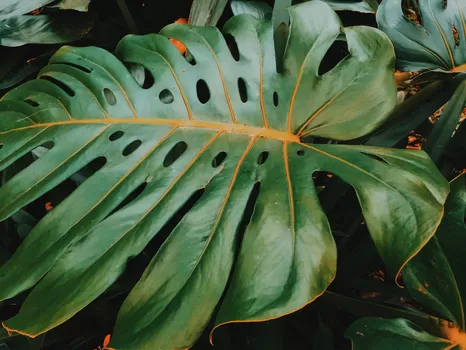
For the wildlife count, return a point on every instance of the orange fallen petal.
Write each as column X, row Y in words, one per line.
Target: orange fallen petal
column 178, row 44
column 48, row 206
column 107, row 339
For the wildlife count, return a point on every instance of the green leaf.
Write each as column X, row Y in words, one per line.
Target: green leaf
column 444, row 128
column 431, row 45
column 206, row 12
column 258, row 9
column 435, row 277
column 418, row 107
column 392, row 334
column 12, row 8
column 44, row 29
column 77, row 5
column 366, row 6
column 219, row 160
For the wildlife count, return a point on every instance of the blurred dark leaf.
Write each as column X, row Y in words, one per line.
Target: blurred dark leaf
column 45, row 29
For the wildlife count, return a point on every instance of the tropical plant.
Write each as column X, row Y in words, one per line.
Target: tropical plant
column 435, row 278
column 209, row 152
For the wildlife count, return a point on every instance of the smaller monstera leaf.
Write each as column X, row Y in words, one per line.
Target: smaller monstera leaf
column 209, row 152
column 388, row 334
column 439, row 42
column 435, row 277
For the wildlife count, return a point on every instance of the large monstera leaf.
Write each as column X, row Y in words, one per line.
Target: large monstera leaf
column 221, row 133
column 438, row 43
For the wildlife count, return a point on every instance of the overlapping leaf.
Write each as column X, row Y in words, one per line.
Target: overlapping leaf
column 436, row 276
column 439, row 42
column 206, row 141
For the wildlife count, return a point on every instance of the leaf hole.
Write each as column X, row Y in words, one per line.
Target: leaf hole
column 175, row 152
column 116, row 135
column 300, row 152
column 25, row 160
column 131, row 197
column 262, row 157
column 171, row 223
column 110, row 97
column 133, row 146
column 337, row 52
column 373, row 156
column 243, row 92
column 166, row 96
column 218, row 159
column 275, row 99
column 64, row 189
column 412, row 11
column 249, row 209
column 141, row 75
column 60, row 84
column 77, row 66
column 456, row 36
column 232, row 46
column 31, row 102
column 203, row 92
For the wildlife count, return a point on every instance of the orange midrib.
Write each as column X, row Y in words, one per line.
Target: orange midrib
column 225, row 127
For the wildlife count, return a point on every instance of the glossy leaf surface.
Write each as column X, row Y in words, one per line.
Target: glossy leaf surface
column 204, row 142
column 389, row 334
column 435, row 277
column 440, row 42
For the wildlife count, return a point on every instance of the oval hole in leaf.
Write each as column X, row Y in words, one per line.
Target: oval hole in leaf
column 77, row 66
column 31, row 102
column 334, row 55
column 218, row 159
column 1, row 145
column 203, row 92
column 128, row 199
column 300, row 152
column 275, row 99
column 373, row 156
column 456, row 36
column 64, row 189
column 110, row 97
column 232, row 46
column 116, row 135
column 141, row 75
column 243, row 92
column 133, row 146
column 153, row 246
column 262, row 157
column 60, row 84
column 166, row 96
column 248, row 210
column 176, row 152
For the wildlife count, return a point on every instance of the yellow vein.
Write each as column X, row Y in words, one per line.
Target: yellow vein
column 114, row 80
column 57, row 167
column 183, row 96
column 225, row 90
column 445, row 42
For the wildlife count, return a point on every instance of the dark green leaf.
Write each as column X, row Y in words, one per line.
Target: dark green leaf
column 435, row 277
column 394, row 334
column 169, row 138
column 446, row 125
column 44, row 29
column 440, row 42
